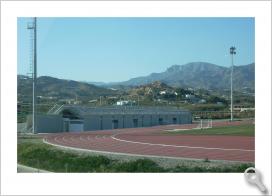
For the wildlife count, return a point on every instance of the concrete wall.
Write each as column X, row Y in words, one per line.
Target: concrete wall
column 55, row 123
column 128, row 121
column 76, row 126
column 102, row 122
column 146, row 120
column 93, row 122
column 49, row 123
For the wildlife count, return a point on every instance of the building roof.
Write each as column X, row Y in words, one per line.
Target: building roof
column 81, row 111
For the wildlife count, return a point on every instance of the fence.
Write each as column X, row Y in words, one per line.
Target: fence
column 221, row 115
column 24, row 109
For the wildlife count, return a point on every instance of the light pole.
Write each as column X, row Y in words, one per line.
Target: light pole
column 232, row 52
column 33, row 27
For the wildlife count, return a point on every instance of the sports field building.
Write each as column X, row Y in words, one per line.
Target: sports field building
column 75, row 118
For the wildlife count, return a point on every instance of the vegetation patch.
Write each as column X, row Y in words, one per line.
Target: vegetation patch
column 46, row 157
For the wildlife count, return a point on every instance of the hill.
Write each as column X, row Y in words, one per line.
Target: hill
column 201, row 75
column 60, row 89
column 151, row 89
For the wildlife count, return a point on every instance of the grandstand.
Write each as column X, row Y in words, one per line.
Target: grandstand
column 76, row 118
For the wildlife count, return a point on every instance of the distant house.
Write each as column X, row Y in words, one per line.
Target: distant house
column 167, row 92
column 125, row 102
column 46, row 98
column 70, row 101
column 93, row 100
column 162, row 92
column 112, row 97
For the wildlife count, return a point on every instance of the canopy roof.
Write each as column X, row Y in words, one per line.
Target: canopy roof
column 77, row 111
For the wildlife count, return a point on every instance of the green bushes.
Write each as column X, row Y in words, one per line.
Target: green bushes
column 43, row 156
column 239, row 168
column 140, row 165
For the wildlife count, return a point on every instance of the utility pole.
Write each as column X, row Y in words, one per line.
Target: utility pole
column 232, row 52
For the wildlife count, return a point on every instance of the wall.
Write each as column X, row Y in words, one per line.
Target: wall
column 93, row 122
column 49, row 123
column 55, row 123
column 76, row 126
column 103, row 122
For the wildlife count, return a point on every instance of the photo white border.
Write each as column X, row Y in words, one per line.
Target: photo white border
column 136, row 184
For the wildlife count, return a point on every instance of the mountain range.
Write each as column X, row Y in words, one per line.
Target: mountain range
column 200, row 75
column 59, row 88
column 197, row 75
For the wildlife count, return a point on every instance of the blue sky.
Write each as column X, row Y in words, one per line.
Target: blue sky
column 117, row 49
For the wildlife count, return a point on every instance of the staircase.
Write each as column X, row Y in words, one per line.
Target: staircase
column 55, row 109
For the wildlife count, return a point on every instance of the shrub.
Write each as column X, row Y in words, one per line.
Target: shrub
column 43, row 156
column 140, row 165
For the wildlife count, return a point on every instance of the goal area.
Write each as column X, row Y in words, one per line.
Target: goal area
column 204, row 124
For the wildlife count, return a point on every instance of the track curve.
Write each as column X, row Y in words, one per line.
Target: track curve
column 150, row 141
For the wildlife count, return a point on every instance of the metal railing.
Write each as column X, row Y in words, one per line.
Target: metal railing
column 55, row 109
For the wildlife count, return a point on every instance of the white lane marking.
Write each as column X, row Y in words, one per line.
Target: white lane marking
column 175, row 130
column 136, row 155
column 227, row 132
column 82, row 138
column 177, row 146
column 71, row 138
column 89, row 139
column 64, row 139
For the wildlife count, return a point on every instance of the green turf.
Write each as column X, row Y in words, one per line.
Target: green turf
column 240, row 130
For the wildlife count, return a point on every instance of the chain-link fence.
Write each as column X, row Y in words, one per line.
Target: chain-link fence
column 222, row 114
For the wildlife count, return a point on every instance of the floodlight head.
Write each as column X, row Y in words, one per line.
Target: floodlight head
column 232, row 50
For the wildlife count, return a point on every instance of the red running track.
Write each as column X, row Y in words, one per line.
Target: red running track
column 150, row 141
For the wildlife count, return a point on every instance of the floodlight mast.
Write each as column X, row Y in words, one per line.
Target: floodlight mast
column 35, row 77
column 33, row 63
column 232, row 52
column 33, row 27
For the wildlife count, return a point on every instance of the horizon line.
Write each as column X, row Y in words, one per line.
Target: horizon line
column 111, row 82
